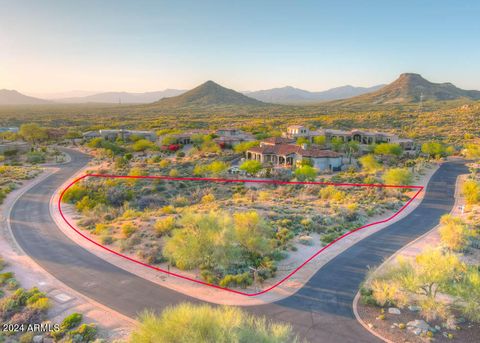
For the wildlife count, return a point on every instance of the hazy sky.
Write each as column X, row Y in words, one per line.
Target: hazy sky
column 54, row 46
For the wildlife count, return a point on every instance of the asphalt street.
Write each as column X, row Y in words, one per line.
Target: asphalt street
column 320, row 312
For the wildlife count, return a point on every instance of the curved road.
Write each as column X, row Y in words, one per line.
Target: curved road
column 320, row 312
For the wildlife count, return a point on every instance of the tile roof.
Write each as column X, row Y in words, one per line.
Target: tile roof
column 288, row 149
column 278, row 140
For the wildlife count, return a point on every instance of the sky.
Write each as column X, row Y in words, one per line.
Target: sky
column 57, row 46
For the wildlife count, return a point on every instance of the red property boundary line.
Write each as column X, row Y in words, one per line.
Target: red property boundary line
column 419, row 190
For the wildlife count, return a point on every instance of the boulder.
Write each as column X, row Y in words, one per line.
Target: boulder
column 394, row 310
column 414, row 308
column 419, row 324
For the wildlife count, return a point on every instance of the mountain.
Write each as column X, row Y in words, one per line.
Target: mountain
column 411, row 88
column 289, row 95
column 12, row 97
column 123, row 97
column 208, row 94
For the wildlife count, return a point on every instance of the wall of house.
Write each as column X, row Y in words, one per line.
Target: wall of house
column 327, row 163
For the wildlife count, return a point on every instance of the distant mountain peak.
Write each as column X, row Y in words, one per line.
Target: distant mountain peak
column 13, row 97
column 208, row 93
column 412, row 87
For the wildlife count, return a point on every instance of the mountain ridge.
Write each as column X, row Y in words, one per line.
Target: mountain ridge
column 292, row 95
column 13, row 97
column 123, row 97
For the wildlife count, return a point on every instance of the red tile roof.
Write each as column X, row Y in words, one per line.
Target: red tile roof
column 288, row 149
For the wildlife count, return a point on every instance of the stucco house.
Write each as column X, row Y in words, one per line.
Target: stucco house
column 283, row 152
column 364, row 138
column 112, row 135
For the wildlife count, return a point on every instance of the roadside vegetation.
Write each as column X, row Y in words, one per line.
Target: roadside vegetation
column 187, row 323
column 21, row 307
column 441, row 284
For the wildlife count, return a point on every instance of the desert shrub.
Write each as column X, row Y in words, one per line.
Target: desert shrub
column 329, row 237
column 42, row 304
column 143, row 144
column 208, row 198
column 74, row 193
column 35, row 157
column 85, row 204
column 128, row 229
column 244, row 146
column 164, row 163
column 101, row 229
column 369, row 163
column 332, row 193
column 251, row 167
column 26, row 316
column 398, row 176
column 434, row 149
column 388, row 293
column 433, row 309
column 164, row 225
column 454, row 233
column 173, row 173
column 204, row 323
column 392, row 149
column 367, row 296
column 305, row 240
column 12, row 284
column 468, row 291
column 306, row 173
column 242, row 280
column 471, row 191
column 106, row 239
column 71, row 321
column 181, row 201
column 84, row 333
column 168, row 209
column 131, row 214
column 5, row 276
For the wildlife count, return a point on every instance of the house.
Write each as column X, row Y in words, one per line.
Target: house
column 230, row 137
column 112, row 135
column 364, row 138
column 185, row 138
column 283, row 152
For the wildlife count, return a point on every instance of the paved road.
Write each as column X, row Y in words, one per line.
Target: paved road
column 321, row 311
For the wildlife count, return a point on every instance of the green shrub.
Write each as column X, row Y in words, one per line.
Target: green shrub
column 332, row 193
column 35, row 157
column 5, row 276
column 471, row 191
column 187, row 323
column 71, row 321
column 164, row 225
column 101, row 229
column 128, row 229
column 42, row 304
column 84, row 333
column 242, row 280
column 398, row 176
